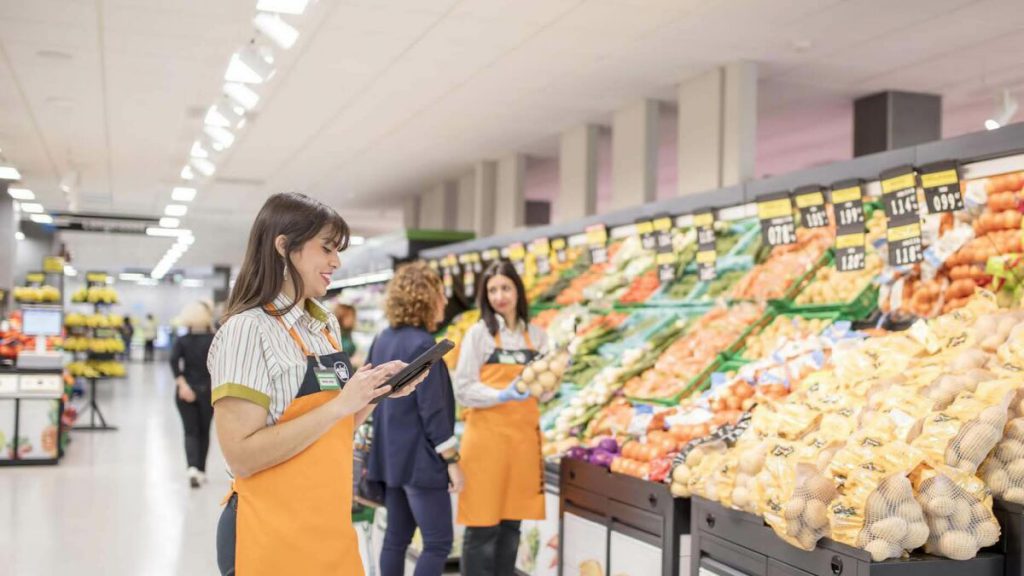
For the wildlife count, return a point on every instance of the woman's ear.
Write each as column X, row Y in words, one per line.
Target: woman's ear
column 281, row 244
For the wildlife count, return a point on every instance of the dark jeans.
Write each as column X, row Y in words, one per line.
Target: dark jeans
column 226, row 529
column 149, row 351
column 196, row 417
column 491, row 550
column 431, row 510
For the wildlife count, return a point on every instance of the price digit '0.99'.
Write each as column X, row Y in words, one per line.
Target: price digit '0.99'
column 944, row 202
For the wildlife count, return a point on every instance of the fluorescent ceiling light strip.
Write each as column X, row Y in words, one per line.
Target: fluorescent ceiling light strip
column 250, row 66
column 220, row 135
column 362, row 279
column 19, row 235
column 281, row 33
column 21, row 194
column 32, row 207
column 198, row 151
column 167, row 232
column 42, row 218
column 131, row 276
column 175, row 210
column 242, row 95
column 295, row 7
column 187, row 174
column 203, row 166
column 168, row 222
column 9, row 173
column 183, row 194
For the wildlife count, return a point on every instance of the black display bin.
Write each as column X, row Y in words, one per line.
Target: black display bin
column 642, row 511
column 731, row 543
column 1011, row 543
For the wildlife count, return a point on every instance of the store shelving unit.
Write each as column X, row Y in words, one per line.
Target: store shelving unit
column 97, row 421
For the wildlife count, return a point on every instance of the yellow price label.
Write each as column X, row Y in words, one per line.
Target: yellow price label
column 811, row 199
column 937, row 179
column 597, row 235
column 774, row 209
column 96, row 277
column 846, row 195
column 53, row 265
column 849, row 241
column 558, row 244
column 541, row 247
column 492, row 254
column 644, row 227
column 898, row 183
column 516, row 252
column 35, row 277
column 706, row 257
column 900, row 233
column 665, row 258
column 662, row 224
column 705, row 220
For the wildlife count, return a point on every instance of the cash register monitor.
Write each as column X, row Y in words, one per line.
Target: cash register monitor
column 41, row 321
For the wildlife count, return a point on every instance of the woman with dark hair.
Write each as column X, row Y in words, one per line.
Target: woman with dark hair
column 287, row 400
column 501, row 450
column 414, row 453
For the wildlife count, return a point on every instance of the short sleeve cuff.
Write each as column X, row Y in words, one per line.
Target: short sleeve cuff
column 240, row 391
column 447, row 445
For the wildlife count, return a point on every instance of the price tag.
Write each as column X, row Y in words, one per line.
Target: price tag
column 645, row 229
column 449, row 282
column 597, row 239
column 96, row 277
column 541, row 250
column 850, row 251
column 941, row 183
column 433, row 265
column 707, row 253
column 848, row 205
column 53, row 265
column 776, row 214
column 517, row 253
column 810, row 200
column 559, row 247
column 469, row 263
column 899, row 196
column 491, row 255
column 35, row 278
column 904, row 244
column 666, row 258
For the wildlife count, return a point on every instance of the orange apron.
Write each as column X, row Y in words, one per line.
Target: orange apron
column 296, row 517
column 501, row 452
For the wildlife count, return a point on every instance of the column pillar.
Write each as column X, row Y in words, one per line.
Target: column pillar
column 577, row 174
column 717, row 128
column 510, row 200
column 8, row 244
column 485, row 184
column 465, row 203
column 411, row 212
column 635, row 155
column 437, row 207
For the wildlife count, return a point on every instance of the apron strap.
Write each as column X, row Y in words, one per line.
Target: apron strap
column 295, row 335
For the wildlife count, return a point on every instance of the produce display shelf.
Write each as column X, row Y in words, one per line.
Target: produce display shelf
column 858, row 308
column 1011, row 542
column 695, row 385
column 729, row 542
column 774, row 312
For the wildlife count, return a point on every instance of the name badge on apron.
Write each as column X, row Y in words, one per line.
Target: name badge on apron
column 327, row 379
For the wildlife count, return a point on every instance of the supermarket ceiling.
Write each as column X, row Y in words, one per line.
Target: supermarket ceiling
column 381, row 98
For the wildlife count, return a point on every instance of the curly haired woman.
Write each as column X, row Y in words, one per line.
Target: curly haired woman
column 414, row 451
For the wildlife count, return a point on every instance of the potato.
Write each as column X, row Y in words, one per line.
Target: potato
column 910, row 511
column 882, row 550
column 820, row 486
column 877, row 506
column 958, row 545
column 681, row 474
column 794, row 528
column 1016, row 473
column 807, row 540
column 986, row 534
column 917, row 535
column 972, row 358
column 940, row 507
column 1014, row 495
column 679, row 490
column 1015, row 429
column 547, row 380
column 528, row 375
column 536, row 389
column 539, row 366
column 961, row 517
column 794, row 508
column 694, row 458
column 892, row 529
column 1010, row 451
column 752, row 462
column 740, row 497
column 815, row 514
column 997, row 481
column 994, row 416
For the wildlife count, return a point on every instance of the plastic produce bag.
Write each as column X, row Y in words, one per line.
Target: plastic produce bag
column 1003, row 471
column 693, row 464
column 958, row 509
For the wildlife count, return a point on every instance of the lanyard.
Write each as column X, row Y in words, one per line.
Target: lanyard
column 295, row 335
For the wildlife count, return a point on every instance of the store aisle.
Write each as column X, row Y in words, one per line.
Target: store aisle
column 119, row 503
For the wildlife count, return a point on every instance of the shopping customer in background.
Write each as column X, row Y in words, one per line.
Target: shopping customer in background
column 501, row 450
column 287, row 400
column 346, row 316
column 149, row 328
column 414, row 453
column 192, row 379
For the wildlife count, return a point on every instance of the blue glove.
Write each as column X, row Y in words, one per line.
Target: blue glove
column 511, row 394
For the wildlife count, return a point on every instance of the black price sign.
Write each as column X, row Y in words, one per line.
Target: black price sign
column 469, row 263
column 899, row 196
column 645, row 229
column 905, row 244
column 666, row 258
column 776, row 214
column 850, row 252
column 449, row 281
column 491, row 255
column 848, row 205
column 707, row 253
column 941, row 183
column 541, row 250
column 559, row 246
column 597, row 239
column 810, row 200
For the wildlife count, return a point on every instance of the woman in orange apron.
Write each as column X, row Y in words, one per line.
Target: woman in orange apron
column 286, row 401
column 501, row 444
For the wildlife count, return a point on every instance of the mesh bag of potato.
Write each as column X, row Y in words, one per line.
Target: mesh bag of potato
column 544, row 375
column 693, row 464
column 790, row 474
column 715, row 479
column 1003, row 470
column 750, row 458
column 958, row 510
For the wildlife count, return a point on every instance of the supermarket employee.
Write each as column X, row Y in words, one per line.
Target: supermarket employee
column 501, row 452
column 286, row 401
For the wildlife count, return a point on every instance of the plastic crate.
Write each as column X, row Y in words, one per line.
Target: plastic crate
column 860, row 307
column 693, row 386
column 774, row 313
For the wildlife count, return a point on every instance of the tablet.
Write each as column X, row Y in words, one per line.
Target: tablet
column 416, row 368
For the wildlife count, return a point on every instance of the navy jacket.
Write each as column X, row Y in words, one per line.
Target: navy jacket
column 407, row 430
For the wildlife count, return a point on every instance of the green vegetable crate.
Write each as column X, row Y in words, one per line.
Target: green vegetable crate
column 860, row 307
column 770, row 315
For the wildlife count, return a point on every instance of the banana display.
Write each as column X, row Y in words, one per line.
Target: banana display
column 97, row 369
column 95, row 295
column 76, row 320
column 94, row 345
column 32, row 295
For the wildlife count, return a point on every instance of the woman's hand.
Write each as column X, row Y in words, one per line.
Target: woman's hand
column 411, row 387
column 365, row 386
column 456, row 480
column 185, row 391
column 512, row 393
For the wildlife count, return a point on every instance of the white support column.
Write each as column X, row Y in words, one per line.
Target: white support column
column 577, row 174
column 718, row 128
column 510, row 200
column 465, row 203
column 437, row 207
column 635, row 155
column 411, row 212
column 485, row 183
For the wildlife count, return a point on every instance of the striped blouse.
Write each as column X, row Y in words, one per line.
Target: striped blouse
column 254, row 358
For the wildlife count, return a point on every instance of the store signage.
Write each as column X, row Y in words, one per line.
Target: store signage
column 778, row 228
column 645, row 229
column 541, row 250
column 904, row 244
column 941, row 184
column 517, row 254
column 53, row 265
column 35, row 278
column 707, row 253
column 899, row 196
column 848, row 206
column 666, row 257
column 810, row 200
column 850, row 252
column 597, row 240
column 559, row 245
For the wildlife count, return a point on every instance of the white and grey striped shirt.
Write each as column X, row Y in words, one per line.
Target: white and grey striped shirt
column 477, row 346
column 254, row 357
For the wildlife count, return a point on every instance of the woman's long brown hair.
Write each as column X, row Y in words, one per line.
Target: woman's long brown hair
column 298, row 218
